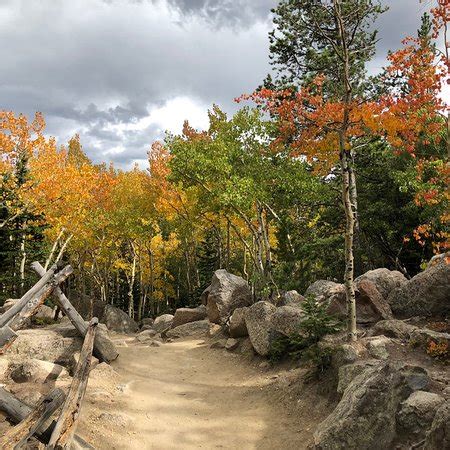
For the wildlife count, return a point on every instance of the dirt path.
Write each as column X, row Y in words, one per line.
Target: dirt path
column 184, row 395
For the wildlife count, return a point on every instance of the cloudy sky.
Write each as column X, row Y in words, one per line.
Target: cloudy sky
column 120, row 72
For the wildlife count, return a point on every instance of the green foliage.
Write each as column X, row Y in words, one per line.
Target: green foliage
column 303, row 344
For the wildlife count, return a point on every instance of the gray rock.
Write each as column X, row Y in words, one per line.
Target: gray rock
column 286, row 320
column 365, row 417
column 319, row 288
column 259, row 325
column 35, row 370
column 45, row 313
column 232, row 344
column 417, row 412
column 377, row 347
column 221, row 343
column 186, row 315
column 236, row 325
column 348, row 372
column 163, row 323
column 147, row 321
column 45, row 344
column 393, row 328
column 385, row 280
column 119, row 321
column 226, row 293
column 291, row 298
column 146, row 335
column 438, row 438
column 370, row 304
column 399, row 329
column 246, row 349
column 191, row 329
column 428, row 293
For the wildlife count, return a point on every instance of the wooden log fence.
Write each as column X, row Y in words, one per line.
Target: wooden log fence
column 7, row 332
column 62, row 435
column 33, row 421
column 104, row 349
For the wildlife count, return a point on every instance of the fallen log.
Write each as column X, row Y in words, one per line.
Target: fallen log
column 62, row 435
column 19, row 435
column 104, row 349
column 8, row 315
column 16, row 411
column 7, row 333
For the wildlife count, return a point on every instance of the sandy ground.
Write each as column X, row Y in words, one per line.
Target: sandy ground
column 184, row 395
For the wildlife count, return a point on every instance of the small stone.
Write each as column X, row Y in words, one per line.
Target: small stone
column 221, row 343
column 231, row 344
column 377, row 347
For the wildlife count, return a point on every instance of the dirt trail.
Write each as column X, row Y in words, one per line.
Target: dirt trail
column 184, row 395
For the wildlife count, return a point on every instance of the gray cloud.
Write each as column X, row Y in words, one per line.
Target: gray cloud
column 101, row 67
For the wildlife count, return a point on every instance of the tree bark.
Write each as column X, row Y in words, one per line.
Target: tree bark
column 104, row 348
column 16, row 411
column 19, row 435
column 62, row 435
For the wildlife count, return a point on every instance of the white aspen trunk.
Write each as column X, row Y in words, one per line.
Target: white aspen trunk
column 131, row 285
column 55, row 244
column 22, row 264
column 63, row 249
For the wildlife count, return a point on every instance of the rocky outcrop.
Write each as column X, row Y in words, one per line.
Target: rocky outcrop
column 186, row 315
column 47, row 345
column 119, row 321
column 291, row 298
column 286, row 320
column 417, row 413
column 438, row 437
column 398, row 329
column 385, row 280
column 237, row 326
column 370, row 304
column 365, row 416
column 226, row 293
column 163, row 323
column 320, row 289
column 147, row 322
column 259, row 325
column 191, row 329
column 37, row 371
column 428, row 293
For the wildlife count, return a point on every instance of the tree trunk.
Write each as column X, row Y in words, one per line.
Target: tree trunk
column 349, row 236
column 131, row 287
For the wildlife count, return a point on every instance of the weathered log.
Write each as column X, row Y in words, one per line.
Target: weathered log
column 7, row 335
column 19, row 435
column 104, row 348
column 8, row 315
column 65, row 426
column 16, row 411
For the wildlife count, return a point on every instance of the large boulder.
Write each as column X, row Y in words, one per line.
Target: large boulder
column 226, row 293
column 258, row 319
column 191, row 329
column 417, row 412
column 119, row 321
column 186, row 315
column 237, row 326
column 37, row 371
column 291, row 298
column 286, row 320
column 45, row 344
column 163, row 323
column 320, row 289
column 428, row 293
column 365, row 417
column 438, row 436
column 370, row 304
column 385, row 280
column 442, row 258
